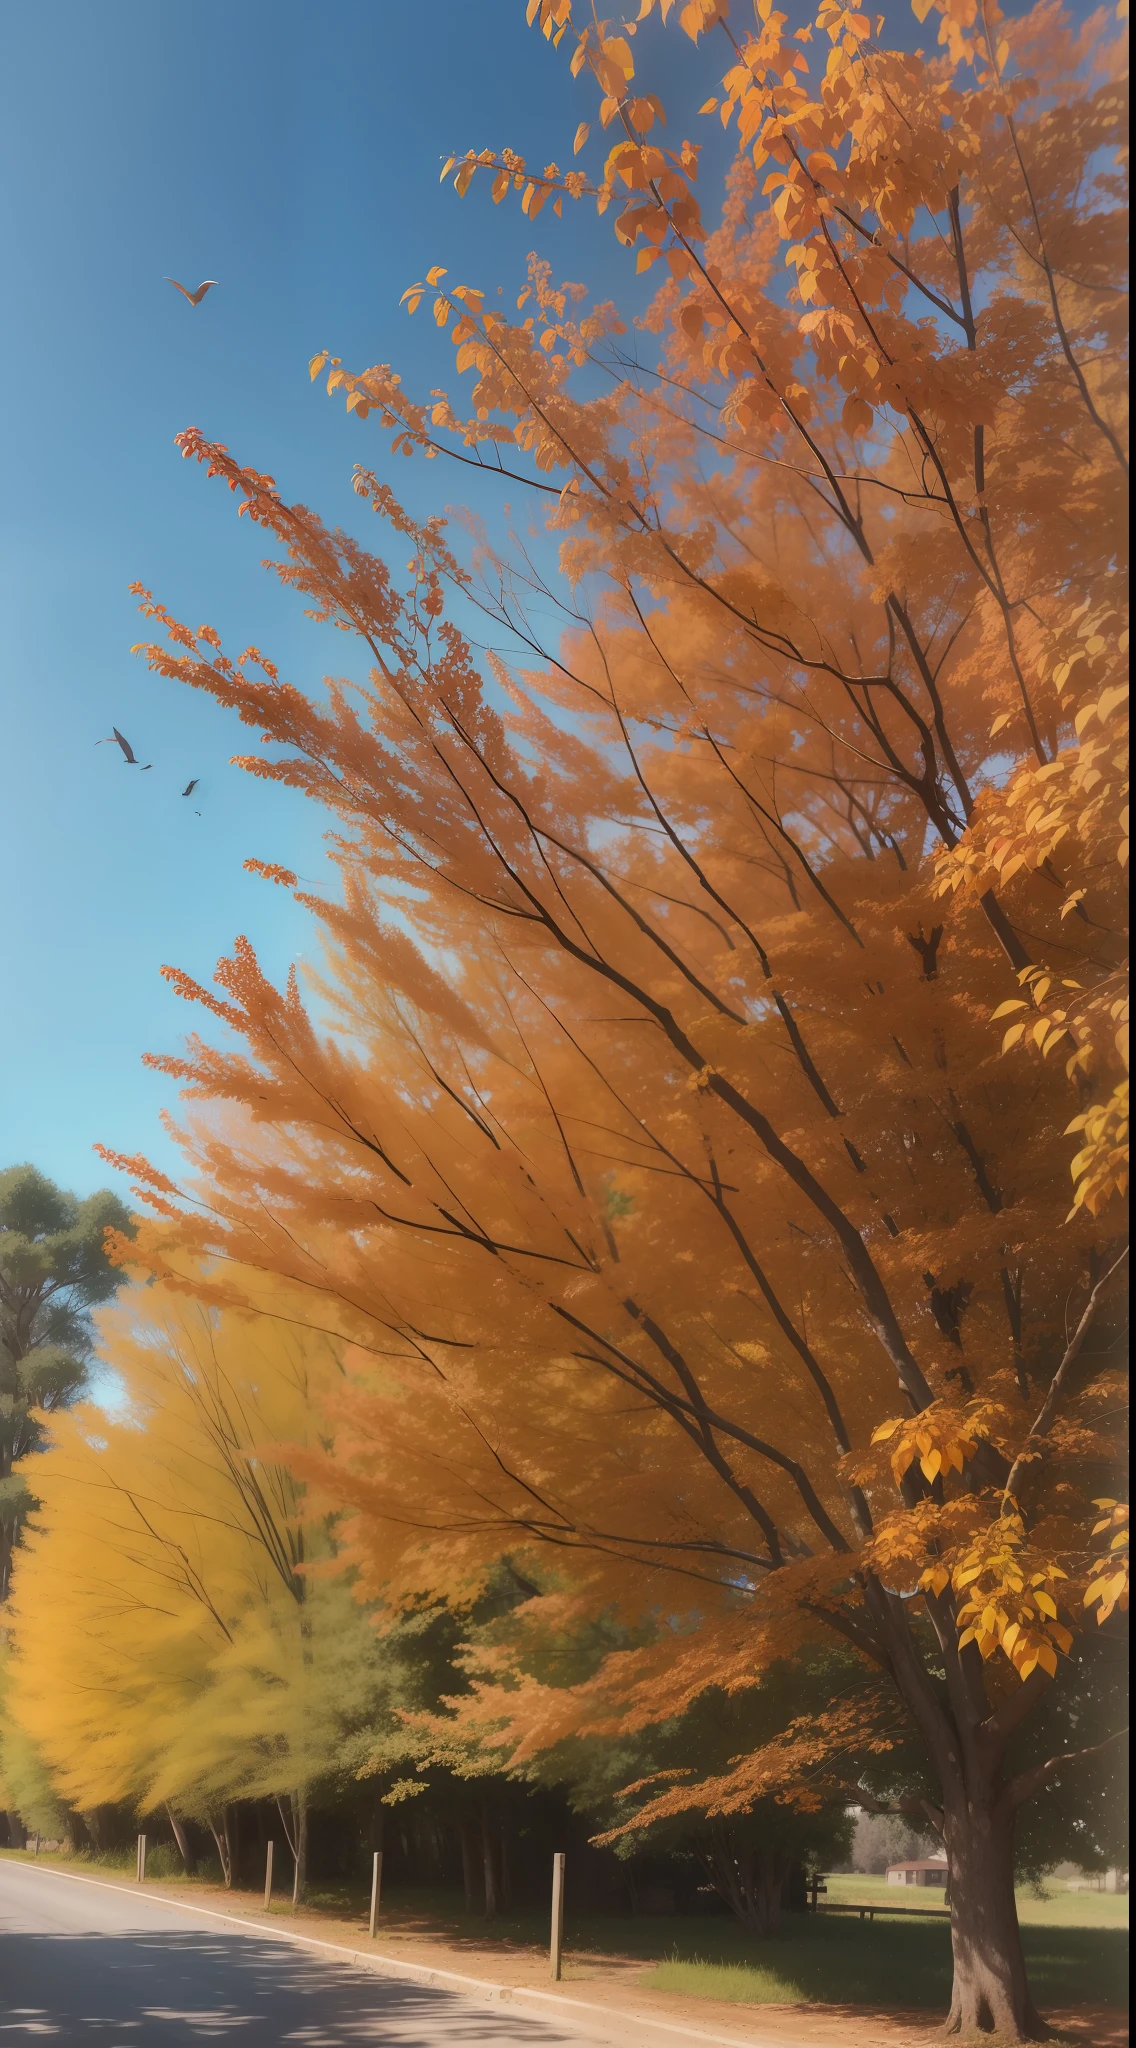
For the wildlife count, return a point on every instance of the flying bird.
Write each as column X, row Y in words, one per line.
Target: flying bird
column 128, row 753
column 196, row 297
column 191, row 786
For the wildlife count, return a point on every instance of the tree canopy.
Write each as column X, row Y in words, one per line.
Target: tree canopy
column 708, row 1140
column 53, row 1270
column 178, row 1642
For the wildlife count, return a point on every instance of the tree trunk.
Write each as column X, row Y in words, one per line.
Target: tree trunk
column 300, row 1825
column 794, row 1889
column 220, row 1834
column 749, row 1880
column 78, row 1833
column 768, row 1878
column 506, row 1873
column 991, row 1994
column 966, row 1740
column 375, row 1819
column 295, row 1825
column 182, row 1839
column 487, row 1863
column 469, row 1866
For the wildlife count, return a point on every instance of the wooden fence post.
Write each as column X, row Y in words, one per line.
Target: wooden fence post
column 376, row 1887
column 140, row 1872
column 268, row 1878
column 557, row 1943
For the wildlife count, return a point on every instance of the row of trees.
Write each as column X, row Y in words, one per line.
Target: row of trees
column 705, row 1149
column 186, row 1647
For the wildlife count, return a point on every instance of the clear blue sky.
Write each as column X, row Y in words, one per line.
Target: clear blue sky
column 292, row 152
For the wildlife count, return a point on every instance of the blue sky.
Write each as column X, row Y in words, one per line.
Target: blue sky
column 293, row 154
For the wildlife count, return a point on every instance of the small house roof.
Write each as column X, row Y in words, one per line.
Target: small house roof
column 922, row 1863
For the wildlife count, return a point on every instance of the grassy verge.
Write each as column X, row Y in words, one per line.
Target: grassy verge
column 895, row 1962
column 898, row 1961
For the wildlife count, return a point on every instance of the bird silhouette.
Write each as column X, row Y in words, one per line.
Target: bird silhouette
column 128, row 753
column 196, row 297
column 191, row 786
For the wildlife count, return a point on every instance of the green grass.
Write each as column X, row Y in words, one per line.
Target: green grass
column 1049, row 1905
column 1076, row 1943
column 833, row 1959
column 893, row 1962
column 736, row 1983
column 162, row 1862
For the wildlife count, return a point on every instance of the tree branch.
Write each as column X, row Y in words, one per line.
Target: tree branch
column 1049, row 1407
column 1028, row 1782
column 911, row 1808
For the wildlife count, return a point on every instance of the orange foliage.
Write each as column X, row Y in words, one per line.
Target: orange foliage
column 657, row 1154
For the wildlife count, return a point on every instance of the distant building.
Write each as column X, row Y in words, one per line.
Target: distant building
column 928, row 1870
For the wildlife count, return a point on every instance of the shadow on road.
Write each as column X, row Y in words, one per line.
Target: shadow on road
column 169, row 1989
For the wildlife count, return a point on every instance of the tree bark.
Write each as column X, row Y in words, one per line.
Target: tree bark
column 966, row 1740
column 295, row 1825
column 768, row 1878
column 376, row 1819
column 750, row 1881
column 488, row 1864
column 220, row 1833
column 469, row 1866
column 506, row 1873
column 991, row 1994
column 182, row 1839
column 300, row 1851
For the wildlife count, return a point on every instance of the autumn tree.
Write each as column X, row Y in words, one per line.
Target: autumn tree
column 53, row 1271
column 175, row 1643
column 751, row 1857
column 657, row 1152
column 28, row 1799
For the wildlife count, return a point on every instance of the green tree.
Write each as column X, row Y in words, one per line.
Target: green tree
column 53, row 1271
column 748, row 1857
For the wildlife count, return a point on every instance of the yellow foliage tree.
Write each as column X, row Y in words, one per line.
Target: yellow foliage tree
column 174, row 1640
column 658, row 1152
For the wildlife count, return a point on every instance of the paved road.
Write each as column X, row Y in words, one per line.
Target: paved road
column 85, row 1967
